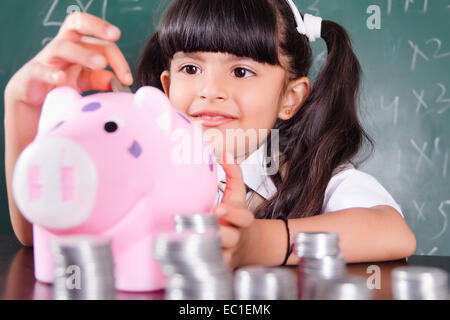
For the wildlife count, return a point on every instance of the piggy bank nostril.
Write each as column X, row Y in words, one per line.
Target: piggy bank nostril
column 111, row 126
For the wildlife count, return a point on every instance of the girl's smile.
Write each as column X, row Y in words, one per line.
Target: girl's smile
column 212, row 118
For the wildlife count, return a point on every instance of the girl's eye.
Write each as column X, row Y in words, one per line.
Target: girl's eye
column 240, row 72
column 189, row 69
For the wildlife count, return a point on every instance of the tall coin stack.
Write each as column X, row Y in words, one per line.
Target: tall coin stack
column 192, row 260
column 84, row 268
column 320, row 259
column 346, row 288
column 199, row 223
column 419, row 283
column 265, row 283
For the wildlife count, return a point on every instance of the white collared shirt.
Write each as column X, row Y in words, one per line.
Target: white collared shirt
column 348, row 188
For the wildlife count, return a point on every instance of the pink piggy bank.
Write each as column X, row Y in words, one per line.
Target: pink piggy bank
column 112, row 165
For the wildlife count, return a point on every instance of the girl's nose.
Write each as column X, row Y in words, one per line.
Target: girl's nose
column 213, row 87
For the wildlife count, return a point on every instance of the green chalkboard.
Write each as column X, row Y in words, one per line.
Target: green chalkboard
column 405, row 101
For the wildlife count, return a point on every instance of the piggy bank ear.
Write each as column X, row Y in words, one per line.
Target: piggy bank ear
column 58, row 106
column 151, row 97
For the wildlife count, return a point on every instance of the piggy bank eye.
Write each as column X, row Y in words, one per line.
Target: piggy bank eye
column 113, row 122
column 111, row 126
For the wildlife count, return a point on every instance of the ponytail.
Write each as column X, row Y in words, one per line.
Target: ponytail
column 324, row 134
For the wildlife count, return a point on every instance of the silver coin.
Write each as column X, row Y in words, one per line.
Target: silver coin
column 348, row 288
column 198, row 270
column 200, row 223
column 187, row 246
column 316, row 244
column 265, row 283
column 419, row 283
column 84, row 268
column 311, row 270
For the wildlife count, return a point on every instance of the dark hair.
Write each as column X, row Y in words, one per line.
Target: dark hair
column 324, row 134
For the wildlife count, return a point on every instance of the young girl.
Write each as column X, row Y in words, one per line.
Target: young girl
column 240, row 65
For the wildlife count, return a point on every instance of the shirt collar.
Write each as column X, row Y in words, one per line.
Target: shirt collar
column 254, row 174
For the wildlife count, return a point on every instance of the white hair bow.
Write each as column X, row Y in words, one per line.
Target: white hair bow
column 310, row 27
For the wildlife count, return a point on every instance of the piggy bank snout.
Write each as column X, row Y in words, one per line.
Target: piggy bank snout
column 55, row 183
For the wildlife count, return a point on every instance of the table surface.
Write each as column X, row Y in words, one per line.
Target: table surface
column 17, row 280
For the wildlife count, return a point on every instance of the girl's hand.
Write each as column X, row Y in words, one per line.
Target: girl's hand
column 71, row 59
column 234, row 218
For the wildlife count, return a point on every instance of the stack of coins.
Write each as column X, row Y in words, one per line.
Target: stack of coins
column 348, row 288
column 419, row 283
column 320, row 259
column 199, row 223
column 84, row 268
column 194, row 266
column 265, row 283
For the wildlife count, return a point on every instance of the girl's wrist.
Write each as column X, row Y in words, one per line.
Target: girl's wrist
column 263, row 243
column 248, row 247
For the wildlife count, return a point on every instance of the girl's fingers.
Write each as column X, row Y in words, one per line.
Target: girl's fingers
column 34, row 80
column 47, row 74
column 235, row 191
column 77, row 54
column 236, row 216
column 229, row 236
column 114, row 56
column 78, row 24
column 227, row 255
column 95, row 80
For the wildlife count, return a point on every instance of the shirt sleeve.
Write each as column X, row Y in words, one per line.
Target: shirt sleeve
column 351, row 188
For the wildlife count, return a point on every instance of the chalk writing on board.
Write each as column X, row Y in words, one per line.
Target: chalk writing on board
column 429, row 253
column 47, row 22
column 420, row 215
column 319, row 60
column 444, row 170
column 311, row 8
column 50, row 21
column 421, row 101
column 417, row 52
column 437, row 53
column 409, row 2
column 441, row 99
column 422, row 6
column 134, row 8
column 393, row 105
column 422, row 154
column 444, row 214
column 437, row 149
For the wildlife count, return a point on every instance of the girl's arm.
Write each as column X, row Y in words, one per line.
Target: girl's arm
column 366, row 235
column 65, row 61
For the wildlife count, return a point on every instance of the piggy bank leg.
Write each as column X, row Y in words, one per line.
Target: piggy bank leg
column 44, row 265
column 136, row 269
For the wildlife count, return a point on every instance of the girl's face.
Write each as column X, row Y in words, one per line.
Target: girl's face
column 243, row 95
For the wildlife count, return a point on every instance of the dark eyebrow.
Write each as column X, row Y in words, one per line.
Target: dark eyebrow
column 196, row 55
